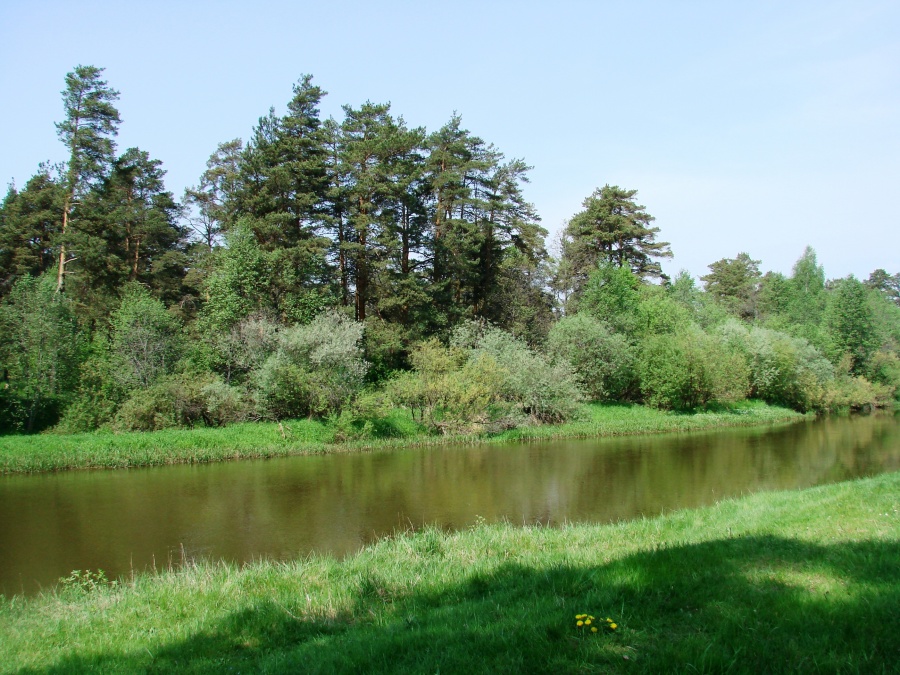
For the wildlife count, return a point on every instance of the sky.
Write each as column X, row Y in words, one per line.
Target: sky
column 757, row 127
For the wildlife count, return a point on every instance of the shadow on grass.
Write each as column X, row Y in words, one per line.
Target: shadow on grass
column 753, row 604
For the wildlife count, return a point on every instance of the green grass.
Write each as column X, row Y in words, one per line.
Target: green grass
column 50, row 452
column 787, row 582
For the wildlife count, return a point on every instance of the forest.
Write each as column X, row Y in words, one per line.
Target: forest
column 340, row 269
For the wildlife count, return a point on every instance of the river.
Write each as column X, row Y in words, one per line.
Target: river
column 131, row 520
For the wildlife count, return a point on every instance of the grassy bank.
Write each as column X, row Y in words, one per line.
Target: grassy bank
column 23, row 454
column 780, row 582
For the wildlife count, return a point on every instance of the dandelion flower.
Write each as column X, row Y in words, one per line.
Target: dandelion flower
column 587, row 622
column 580, row 623
column 593, row 629
column 613, row 626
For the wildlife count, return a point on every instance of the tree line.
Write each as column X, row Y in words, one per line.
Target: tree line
column 340, row 267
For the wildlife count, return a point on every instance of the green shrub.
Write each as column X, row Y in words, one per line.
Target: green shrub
column 182, row 400
column 658, row 313
column 316, row 369
column 885, row 370
column 452, row 390
column 146, row 340
column 847, row 392
column 603, row 361
column 784, row 370
column 386, row 348
column 545, row 391
column 39, row 355
column 690, row 369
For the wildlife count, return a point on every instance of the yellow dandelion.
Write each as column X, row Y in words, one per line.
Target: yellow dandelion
column 593, row 629
column 587, row 622
column 613, row 626
column 580, row 623
column 608, row 620
column 580, row 616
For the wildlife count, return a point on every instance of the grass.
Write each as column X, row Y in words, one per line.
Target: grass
column 801, row 581
column 48, row 452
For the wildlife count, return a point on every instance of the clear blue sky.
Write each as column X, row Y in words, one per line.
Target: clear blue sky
column 758, row 126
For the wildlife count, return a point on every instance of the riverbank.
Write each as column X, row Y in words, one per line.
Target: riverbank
column 50, row 452
column 775, row 582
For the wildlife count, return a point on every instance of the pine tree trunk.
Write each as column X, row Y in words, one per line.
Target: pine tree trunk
column 61, row 271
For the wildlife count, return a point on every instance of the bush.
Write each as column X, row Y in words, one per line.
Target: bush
column 885, row 370
column 386, row 348
column 658, row 313
column 690, row 369
column 543, row 390
column 847, row 392
column 603, row 361
column 315, row 370
column 182, row 400
column 784, row 370
column 146, row 340
column 39, row 355
column 450, row 391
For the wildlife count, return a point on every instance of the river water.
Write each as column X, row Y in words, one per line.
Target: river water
column 130, row 520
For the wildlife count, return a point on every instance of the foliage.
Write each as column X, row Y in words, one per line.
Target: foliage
column 386, row 348
column 39, row 355
column 783, row 369
column 885, row 370
column 603, row 361
column 611, row 294
column 658, row 313
column 315, row 370
column 412, row 233
column 449, row 391
column 851, row 324
column 182, row 400
column 91, row 121
column 806, row 290
column 29, row 224
column 736, row 284
column 235, row 289
column 613, row 229
column 887, row 284
column 689, row 369
column 543, row 390
column 146, row 340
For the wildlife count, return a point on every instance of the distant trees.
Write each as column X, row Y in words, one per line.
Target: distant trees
column 851, row 324
column 329, row 267
column 735, row 282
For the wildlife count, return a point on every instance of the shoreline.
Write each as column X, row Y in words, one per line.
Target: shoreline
column 264, row 440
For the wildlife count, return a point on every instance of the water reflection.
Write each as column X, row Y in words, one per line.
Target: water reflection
column 130, row 520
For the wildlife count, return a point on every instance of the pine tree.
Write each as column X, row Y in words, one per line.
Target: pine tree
column 212, row 204
column 29, row 226
column 614, row 228
column 91, row 121
column 735, row 283
column 141, row 223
